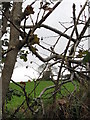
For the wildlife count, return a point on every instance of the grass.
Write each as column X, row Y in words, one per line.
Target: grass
column 16, row 101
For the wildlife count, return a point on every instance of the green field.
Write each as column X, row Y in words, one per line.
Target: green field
column 16, row 101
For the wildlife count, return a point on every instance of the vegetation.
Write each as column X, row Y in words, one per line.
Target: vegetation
column 59, row 99
column 17, row 95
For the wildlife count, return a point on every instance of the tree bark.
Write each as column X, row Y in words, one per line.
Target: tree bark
column 12, row 55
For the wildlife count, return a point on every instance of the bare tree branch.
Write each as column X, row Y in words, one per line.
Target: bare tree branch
column 58, row 32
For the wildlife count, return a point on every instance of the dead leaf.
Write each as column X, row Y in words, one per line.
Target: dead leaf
column 35, row 40
column 28, row 10
column 33, row 49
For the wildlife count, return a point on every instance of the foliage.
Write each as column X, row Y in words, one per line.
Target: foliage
column 23, row 40
column 28, row 10
column 13, row 92
column 86, row 58
column 61, row 109
column 17, row 94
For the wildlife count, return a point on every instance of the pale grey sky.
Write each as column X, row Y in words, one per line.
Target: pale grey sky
column 63, row 13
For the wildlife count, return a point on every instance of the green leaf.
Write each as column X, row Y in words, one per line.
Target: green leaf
column 24, row 57
column 86, row 58
column 3, row 60
column 22, row 51
column 85, row 52
column 27, row 52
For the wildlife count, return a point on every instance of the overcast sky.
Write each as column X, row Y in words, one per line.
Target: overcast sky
column 62, row 13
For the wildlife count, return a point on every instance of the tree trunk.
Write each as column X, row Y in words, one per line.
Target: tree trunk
column 88, row 92
column 12, row 55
